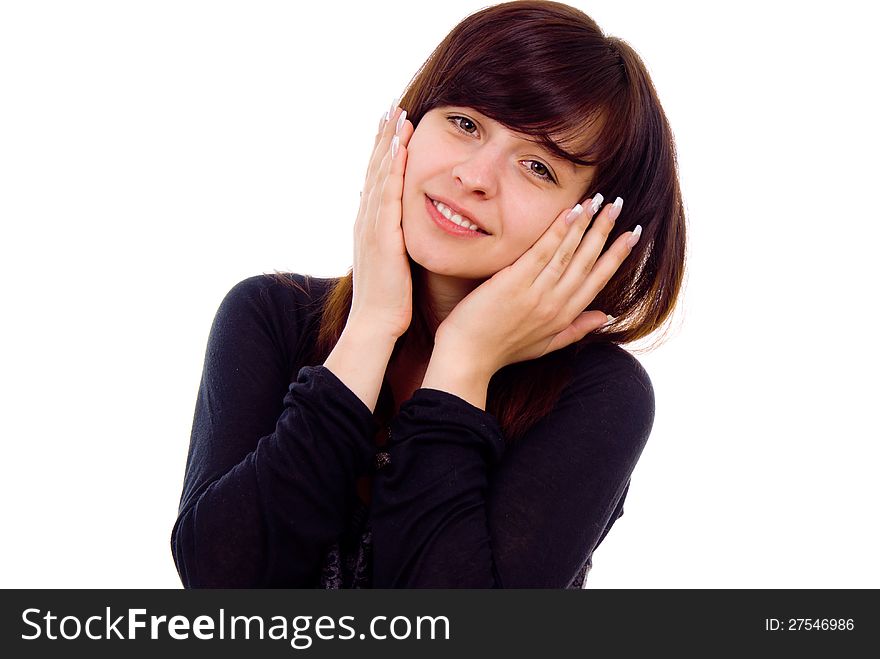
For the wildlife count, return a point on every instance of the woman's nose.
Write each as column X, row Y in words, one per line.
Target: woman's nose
column 478, row 172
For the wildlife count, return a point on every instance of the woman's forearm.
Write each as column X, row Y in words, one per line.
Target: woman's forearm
column 360, row 359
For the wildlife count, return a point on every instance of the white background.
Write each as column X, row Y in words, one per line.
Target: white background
column 153, row 154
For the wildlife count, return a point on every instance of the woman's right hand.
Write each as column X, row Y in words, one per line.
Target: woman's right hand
column 382, row 281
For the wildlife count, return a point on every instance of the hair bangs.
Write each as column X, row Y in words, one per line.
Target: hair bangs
column 557, row 85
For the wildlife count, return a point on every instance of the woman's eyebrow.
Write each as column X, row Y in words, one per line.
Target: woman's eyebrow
column 562, row 161
column 550, row 155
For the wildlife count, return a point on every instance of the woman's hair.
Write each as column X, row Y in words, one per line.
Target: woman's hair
column 543, row 68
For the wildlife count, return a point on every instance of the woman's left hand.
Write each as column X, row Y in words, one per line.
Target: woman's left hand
column 536, row 305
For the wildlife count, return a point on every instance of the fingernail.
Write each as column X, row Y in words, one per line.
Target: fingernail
column 610, row 320
column 615, row 209
column 392, row 108
column 400, row 121
column 573, row 213
column 597, row 201
column 634, row 238
column 395, row 143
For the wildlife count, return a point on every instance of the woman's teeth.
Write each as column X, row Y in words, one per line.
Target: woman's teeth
column 456, row 218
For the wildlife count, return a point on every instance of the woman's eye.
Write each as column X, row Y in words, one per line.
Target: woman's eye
column 463, row 124
column 540, row 169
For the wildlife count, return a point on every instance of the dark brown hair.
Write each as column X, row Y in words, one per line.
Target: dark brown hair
column 544, row 68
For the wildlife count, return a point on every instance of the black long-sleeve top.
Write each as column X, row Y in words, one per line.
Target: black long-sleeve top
column 269, row 498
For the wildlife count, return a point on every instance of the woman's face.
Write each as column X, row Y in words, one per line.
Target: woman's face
column 508, row 186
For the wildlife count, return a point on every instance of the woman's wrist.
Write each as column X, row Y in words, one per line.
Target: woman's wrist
column 368, row 330
column 454, row 371
column 360, row 358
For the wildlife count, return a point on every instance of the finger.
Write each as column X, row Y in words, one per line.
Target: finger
column 390, row 205
column 375, row 173
column 380, row 146
column 602, row 272
column 536, row 258
column 366, row 212
column 556, row 268
column 583, row 324
column 590, row 247
column 379, row 130
column 374, row 194
column 386, row 202
column 382, row 121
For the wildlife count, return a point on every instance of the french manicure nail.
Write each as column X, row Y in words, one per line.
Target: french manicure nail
column 610, row 319
column 400, row 121
column 395, row 143
column 597, row 201
column 634, row 238
column 573, row 213
column 392, row 108
column 615, row 209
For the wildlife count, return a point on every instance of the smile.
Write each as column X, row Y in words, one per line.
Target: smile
column 450, row 222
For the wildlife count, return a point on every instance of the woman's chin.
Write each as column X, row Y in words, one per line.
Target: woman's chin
column 449, row 269
column 432, row 264
column 426, row 255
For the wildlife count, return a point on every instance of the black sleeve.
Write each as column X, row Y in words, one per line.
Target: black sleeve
column 455, row 508
column 272, row 465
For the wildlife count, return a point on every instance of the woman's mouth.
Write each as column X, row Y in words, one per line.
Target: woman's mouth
column 450, row 222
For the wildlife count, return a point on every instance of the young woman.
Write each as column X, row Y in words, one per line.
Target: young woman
column 456, row 411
